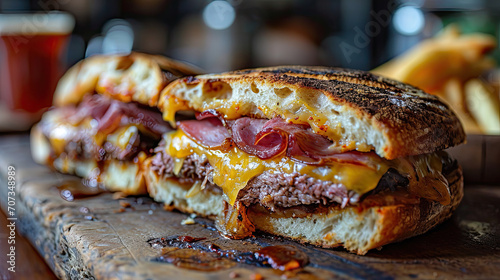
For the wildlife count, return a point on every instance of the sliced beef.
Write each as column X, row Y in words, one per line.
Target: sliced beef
column 273, row 189
column 287, row 190
column 193, row 167
column 196, row 167
column 162, row 163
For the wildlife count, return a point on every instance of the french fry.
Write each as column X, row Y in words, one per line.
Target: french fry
column 483, row 105
column 454, row 95
column 445, row 66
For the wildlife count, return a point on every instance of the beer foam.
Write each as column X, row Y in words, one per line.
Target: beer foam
column 36, row 23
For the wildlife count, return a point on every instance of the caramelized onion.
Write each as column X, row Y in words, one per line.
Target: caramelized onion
column 233, row 222
column 427, row 178
column 432, row 188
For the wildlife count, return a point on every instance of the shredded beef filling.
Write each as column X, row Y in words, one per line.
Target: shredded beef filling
column 286, row 190
column 84, row 147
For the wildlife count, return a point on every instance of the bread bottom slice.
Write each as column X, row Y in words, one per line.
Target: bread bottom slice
column 115, row 175
column 357, row 228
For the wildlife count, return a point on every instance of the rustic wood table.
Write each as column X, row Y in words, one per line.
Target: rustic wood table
column 101, row 237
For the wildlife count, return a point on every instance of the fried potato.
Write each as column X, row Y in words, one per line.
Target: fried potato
column 483, row 105
column 445, row 66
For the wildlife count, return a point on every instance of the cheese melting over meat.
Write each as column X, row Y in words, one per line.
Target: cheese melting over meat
column 233, row 168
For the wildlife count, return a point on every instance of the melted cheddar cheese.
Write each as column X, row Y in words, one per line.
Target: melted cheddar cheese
column 234, row 168
column 63, row 133
column 171, row 105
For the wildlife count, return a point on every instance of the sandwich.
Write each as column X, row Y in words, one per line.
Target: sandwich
column 325, row 156
column 105, row 121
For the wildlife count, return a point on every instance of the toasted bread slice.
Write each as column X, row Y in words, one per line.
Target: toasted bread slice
column 360, row 229
column 135, row 77
column 355, row 109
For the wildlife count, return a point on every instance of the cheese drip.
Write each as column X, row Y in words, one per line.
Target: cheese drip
column 64, row 133
column 234, row 168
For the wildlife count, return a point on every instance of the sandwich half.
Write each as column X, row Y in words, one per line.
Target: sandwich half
column 105, row 120
column 326, row 156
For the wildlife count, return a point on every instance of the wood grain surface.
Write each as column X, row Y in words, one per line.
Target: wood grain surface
column 100, row 237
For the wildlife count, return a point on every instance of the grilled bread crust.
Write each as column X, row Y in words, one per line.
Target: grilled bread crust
column 355, row 109
column 135, row 77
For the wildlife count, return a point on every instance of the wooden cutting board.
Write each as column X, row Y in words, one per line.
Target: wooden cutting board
column 99, row 237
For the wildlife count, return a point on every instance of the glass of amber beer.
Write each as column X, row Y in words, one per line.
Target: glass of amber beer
column 31, row 49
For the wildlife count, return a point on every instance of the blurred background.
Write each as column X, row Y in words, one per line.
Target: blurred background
column 224, row 35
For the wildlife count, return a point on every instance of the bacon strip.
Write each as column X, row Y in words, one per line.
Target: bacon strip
column 209, row 132
column 211, row 113
column 111, row 114
column 251, row 136
column 208, row 129
column 267, row 139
